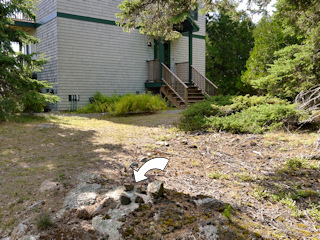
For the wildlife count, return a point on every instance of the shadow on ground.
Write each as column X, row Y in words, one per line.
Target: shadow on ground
column 36, row 150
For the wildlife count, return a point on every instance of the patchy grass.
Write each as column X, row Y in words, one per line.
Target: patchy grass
column 59, row 147
column 274, row 195
column 218, row 175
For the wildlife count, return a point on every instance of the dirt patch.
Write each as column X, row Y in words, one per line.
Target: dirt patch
column 270, row 196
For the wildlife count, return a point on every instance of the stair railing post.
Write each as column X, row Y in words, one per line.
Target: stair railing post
column 190, row 54
column 186, row 96
column 161, row 57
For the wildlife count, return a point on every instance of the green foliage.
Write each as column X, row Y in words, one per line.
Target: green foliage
column 268, row 38
column 290, row 73
column 257, row 119
column 18, row 91
column 100, row 103
column 44, row 221
column 227, row 212
column 218, row 175
column 286, row 59
column 100, row 98
column 164, row 18
column 132, row 103
column 220, row 100
column 240, row 103
column 229, row 42
column 194, row 116
column 120, row 105
column 155, row 18
column 238, row 114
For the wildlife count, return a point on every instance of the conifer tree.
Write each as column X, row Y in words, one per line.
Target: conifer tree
column 19, row 92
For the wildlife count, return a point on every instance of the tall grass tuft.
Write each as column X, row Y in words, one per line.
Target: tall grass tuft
column 120, row 105
column 132, row 103
column 99, row 103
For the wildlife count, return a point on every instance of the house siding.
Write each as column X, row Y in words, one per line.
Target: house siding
column 45, row 8
column 47, row 34
column 99, row 57
column 88, row 56
column 90, row 8
column 180, row 49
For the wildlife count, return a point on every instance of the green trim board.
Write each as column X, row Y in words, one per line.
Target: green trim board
column 153, row 84
column 194, row 36
column 26, row 24
column 96, row 20
column 87, row 19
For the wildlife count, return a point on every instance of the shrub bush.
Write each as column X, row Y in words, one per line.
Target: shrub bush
column 221, row 100
column 252, row 114
column 240, row 103
column 256, row 119
column 194, row 117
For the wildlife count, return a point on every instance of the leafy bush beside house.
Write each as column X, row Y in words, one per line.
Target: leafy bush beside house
column 120, row 105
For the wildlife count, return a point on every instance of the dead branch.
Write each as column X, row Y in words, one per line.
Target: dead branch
column 309, row 102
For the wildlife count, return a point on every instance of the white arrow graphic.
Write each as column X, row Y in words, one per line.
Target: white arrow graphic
column 155, row 163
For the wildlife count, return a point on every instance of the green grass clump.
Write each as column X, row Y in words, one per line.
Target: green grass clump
column 218, row 175
column 120, row 105
column 44, row 221
column 132, row 103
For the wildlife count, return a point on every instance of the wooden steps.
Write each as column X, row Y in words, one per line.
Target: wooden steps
column 194, row 95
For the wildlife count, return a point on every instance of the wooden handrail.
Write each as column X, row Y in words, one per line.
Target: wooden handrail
column 165, row 66
column 204, row 83
column 175, row 83
column 173, row 90
column 205, row 77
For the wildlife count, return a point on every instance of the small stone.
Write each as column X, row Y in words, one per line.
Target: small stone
column 128, row 187
column 162, row 143
column 141, row 190
column 134, row 165
column 253, row 144
column 139, row 200
column 143, row 159
column 184, row 141
column 125, row 199
column 193, row 146
column 155, row 189
column 47, row 185
column 29, row 238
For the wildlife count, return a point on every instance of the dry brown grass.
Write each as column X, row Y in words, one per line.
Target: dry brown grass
column 250, row 172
